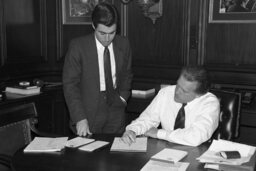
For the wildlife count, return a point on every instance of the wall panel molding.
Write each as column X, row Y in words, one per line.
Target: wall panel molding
column 25, row 31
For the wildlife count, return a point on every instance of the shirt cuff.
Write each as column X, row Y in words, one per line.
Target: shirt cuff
column 161, row 134
column 123, row 100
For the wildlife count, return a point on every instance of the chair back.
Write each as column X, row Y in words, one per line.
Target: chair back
column 229, row 119
column 15, row 130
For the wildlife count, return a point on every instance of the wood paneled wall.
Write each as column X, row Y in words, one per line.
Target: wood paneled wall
column 160, row 49
column 34, row 41
column 229, row 51
column 184, row 36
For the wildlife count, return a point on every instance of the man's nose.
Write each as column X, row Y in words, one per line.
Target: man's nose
column 107, row 37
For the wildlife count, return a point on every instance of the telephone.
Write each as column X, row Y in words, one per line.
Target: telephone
column 41, row 83
column 247, row 97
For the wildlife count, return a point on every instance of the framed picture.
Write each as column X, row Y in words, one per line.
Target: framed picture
column 232, row 11
column 79, row 11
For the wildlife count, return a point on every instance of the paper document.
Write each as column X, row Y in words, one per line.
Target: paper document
column 93, row 146
column 78, row 141
column 153, row 165
column 170, row 155
column 44, row 144
column 212, row 155
column 139, row 146
column 224, row 167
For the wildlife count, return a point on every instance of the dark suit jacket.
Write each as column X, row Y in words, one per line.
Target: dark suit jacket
column 81, row 75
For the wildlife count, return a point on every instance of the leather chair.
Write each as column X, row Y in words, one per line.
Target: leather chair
column 16, row 125
column 230, row 103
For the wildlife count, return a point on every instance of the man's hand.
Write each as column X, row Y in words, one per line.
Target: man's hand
column 82, row 128
column 152, row 132
column 129, row 137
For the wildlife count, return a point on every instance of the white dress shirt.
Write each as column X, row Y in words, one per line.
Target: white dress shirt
column 201, row 118
column 100, row 51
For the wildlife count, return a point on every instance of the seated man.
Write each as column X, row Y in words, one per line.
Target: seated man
column 188, row 113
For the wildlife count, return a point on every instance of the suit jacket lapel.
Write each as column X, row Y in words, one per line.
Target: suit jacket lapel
column 93, row 58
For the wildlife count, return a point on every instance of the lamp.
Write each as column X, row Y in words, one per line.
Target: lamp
column 150, row 8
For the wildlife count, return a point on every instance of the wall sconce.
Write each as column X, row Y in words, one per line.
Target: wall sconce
column 150, row 8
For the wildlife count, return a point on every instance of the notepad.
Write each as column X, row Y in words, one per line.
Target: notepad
column 139, row 146
column 94, row 145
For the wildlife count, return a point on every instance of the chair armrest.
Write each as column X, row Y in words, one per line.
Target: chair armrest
column 36, row 132
column 5, row 160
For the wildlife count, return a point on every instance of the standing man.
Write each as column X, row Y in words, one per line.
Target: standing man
column 187, row 112
column 97, row 76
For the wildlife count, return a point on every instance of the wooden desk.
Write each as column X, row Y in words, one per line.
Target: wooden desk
column 103, row 159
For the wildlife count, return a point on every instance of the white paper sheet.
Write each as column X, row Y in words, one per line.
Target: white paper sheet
column 78, row 141
column 212, row 154
column 152, row 165
column 93, row 146
column 170, row 155
column 45, row 144
column 139, row 146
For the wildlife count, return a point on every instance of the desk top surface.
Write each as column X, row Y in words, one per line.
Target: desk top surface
column 102, row 159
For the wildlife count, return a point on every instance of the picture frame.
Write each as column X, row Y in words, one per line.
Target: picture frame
column 226, row 11
column 79, row 11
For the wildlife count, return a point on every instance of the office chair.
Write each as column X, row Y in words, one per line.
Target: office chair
column 230, row 103
column 17, row 124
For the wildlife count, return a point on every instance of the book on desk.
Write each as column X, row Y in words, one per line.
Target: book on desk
column 23, row 90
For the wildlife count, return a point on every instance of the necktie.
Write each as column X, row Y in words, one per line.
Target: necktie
column 108, row 77
column 180, row 119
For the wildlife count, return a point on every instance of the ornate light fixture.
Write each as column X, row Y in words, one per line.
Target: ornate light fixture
column 150, row 8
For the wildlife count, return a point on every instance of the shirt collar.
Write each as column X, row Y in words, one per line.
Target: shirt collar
column 100, row 46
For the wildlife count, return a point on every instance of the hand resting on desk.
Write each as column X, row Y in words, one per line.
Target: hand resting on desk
column 82, row 128
column 129, row 137
column 152, row 132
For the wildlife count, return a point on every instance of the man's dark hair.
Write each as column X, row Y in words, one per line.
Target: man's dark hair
column 198, row 74
column 104, row 13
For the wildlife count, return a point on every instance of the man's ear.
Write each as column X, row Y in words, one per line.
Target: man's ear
column 93, row 26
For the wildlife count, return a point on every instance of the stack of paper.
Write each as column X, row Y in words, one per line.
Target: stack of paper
column 214, row 160
column 139, row 146
column 44, row 144
column 167, row 159
column 23, row 90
